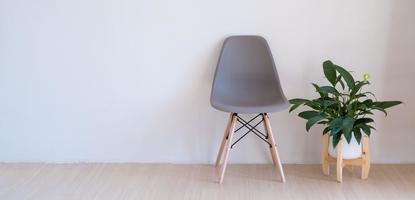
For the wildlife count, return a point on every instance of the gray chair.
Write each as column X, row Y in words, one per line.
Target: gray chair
column 246, row 82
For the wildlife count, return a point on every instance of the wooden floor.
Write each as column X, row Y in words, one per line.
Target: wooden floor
column 165, row 181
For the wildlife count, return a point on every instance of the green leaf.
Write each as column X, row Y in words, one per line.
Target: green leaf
column 339, row 80
column 350, row 110
column 318, row 102
column 368, row 102
column 330, row 72
column 363, row 121
column 358, row 96
column 346, row 76
column 317, row 89
column 335, row 130
column 343, row 125
column 360, row 105
column 357, row 135
column 366, row 129
column 348, row 136
column 328, row 89
column 327, row 103
column 366, row 112
column 308, row 114
column 371, row 127
column 386, row 104
column 313, row 121
column 293, row 107
column 336, row 139
column 357, row 87
column 347, row 125
column 326, row 130
column 298, row 101
column 336, row 123
column 313, row 104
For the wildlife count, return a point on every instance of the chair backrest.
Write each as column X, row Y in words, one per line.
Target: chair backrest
column 246, row 73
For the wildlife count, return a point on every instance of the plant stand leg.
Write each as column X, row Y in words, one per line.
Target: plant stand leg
column 324, row 155
column 224, row 140
column 274, row 151
column 228, row 147
column 365, row 157
column 340, row 161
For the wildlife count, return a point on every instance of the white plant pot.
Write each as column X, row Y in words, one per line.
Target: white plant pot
column 351, row 150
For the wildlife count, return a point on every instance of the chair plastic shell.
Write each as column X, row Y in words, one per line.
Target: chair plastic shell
column 246, row 79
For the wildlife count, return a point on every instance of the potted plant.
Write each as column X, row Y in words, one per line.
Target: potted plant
column 343, row 108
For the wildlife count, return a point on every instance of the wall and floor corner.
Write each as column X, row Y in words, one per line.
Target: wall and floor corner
column 129, row 81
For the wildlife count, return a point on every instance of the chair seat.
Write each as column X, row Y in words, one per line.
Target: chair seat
column 245, row 106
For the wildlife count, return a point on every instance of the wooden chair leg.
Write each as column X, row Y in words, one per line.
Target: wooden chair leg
column 228, row 148
column 339, row 149
column 365, row 157
column 272, row 157
column 224, row 140
column 274, row 151
column 271, row 141
column 270, row 148
column 325, row 154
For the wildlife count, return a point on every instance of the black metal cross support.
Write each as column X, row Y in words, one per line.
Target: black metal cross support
column 251, row 128
column 246, row 124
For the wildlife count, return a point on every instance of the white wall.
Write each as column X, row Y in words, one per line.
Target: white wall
column 129, row 81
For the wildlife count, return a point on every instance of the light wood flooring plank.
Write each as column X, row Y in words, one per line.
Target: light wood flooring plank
column 167, row 181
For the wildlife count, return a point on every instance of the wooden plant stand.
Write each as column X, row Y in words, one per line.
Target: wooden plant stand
column 364, row 161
